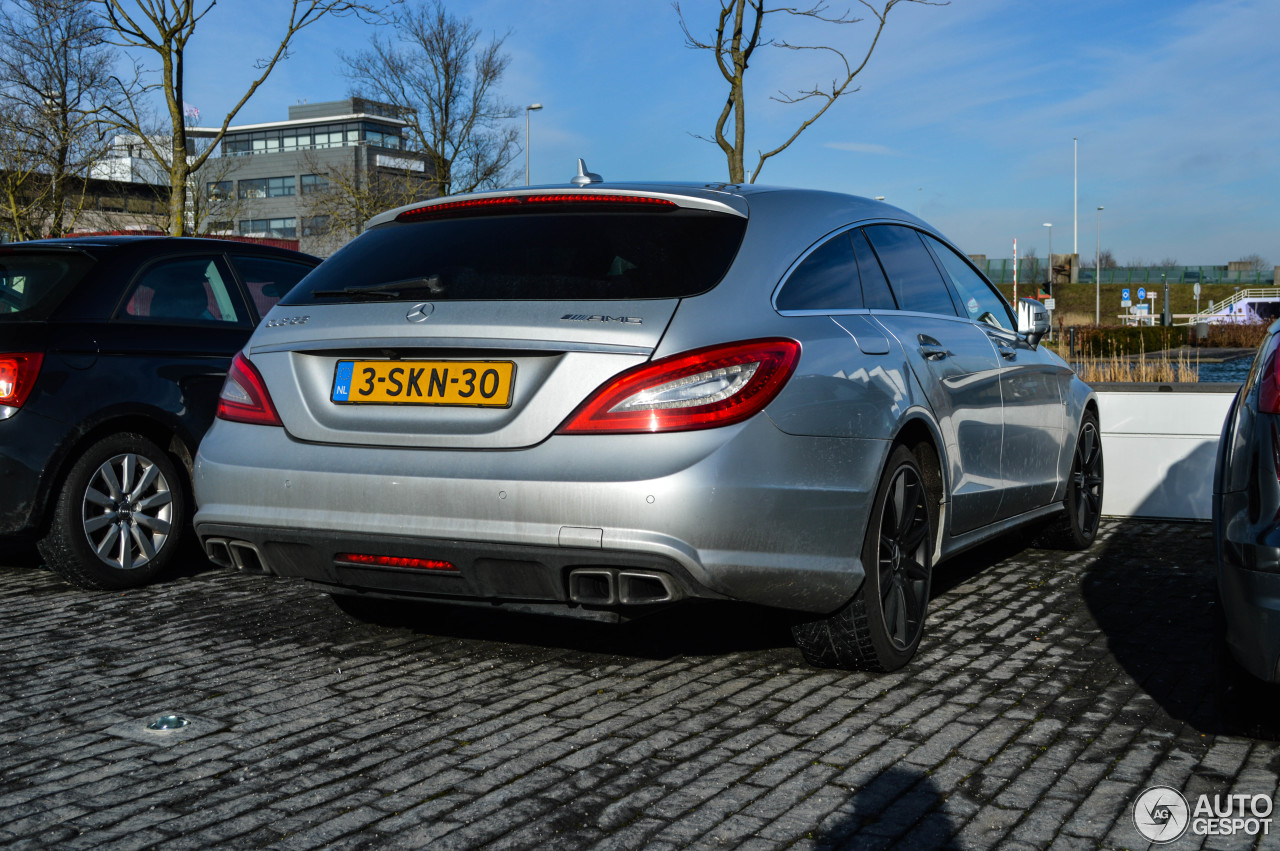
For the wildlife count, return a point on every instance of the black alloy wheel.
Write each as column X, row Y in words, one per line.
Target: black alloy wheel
column 1077, row 526
column 880, row 628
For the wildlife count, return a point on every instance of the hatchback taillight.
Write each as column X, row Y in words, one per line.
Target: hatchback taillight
column 705, row 388
column 244, row 397
column 18, row 373
column 1269, row 378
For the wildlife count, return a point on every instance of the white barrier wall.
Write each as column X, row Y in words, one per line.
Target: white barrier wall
column 1159, row 448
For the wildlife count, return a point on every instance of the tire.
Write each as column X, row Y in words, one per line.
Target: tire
column 1077, row 527
column 119, row 515
column 880, row 628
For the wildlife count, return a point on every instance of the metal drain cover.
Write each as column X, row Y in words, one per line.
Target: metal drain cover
column 165, row 728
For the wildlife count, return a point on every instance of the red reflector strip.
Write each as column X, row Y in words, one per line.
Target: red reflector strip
column 512, row 201
column 453, row 206
column 394, row 561
column 589, row 198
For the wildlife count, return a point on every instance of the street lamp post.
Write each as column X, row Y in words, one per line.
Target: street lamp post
column 1048, row 275
column 1097, row 275
column 1075, row 198
column 528, row 109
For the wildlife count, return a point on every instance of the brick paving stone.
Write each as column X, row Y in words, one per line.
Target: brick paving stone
column 1050, row 690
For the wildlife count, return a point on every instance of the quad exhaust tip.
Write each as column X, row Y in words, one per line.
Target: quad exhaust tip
column 603, row 586
column 241, row 555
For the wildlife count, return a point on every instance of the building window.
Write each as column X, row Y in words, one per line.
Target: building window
column 280, row 228
column 315, row 225
column 253, row 188
column 381, row 137
column 219, row 227
column 267, row 187
column 278, row 187
column 312, row 183
column 219, row 190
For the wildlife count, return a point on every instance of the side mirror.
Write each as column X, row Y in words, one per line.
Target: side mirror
column 1033, row 320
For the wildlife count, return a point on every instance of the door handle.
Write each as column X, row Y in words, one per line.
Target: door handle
column 931, row 348
column 1006, row 349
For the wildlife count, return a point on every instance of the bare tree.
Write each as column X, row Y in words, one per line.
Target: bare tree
column 444, row 81
column 739, row 32
column 163, row 30
column 1107, row 260
column 335, row 211
column 23, row 193
column 55, row 82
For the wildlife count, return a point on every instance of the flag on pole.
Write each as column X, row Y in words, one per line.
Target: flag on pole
column 189, row 111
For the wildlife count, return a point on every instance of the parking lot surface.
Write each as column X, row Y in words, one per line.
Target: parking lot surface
column 1051, row 690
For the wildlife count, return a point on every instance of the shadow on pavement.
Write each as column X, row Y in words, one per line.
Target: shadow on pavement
column 898, row 809
column 1152, row 591
column 694, row 629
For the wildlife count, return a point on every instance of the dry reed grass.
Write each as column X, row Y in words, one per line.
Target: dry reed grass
column 1119, row 366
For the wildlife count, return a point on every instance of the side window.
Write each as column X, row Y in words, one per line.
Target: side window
column 980, row 302
column 913, row 275
column 875, row 287
column 183, row 289
column 826, row 280
column 268, row 279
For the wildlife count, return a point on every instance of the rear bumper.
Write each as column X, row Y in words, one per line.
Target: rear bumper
column 745, row 513
column 28, row 444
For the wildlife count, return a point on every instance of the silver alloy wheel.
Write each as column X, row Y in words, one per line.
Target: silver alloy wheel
column 904, row 539
column 127, row 511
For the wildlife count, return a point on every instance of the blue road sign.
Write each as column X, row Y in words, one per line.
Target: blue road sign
column 1142, row 293
column 1124, row 294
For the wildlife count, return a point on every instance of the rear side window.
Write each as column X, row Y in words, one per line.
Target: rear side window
column 912, row 274
column 604, row 255
column 268, row 279
column 188, row 289
column 825, row 280
column 32, row 284
column 875, row 287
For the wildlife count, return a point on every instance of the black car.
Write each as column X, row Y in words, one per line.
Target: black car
column 112, row 354
column 1246, row 516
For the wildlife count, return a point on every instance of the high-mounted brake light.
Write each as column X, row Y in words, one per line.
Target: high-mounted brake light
column 706, row 388
column 514, row 203
column 244, row 397
column 394, row 561
column 18, row 373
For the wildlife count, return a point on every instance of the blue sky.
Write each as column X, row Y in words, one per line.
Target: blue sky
column 966, row 112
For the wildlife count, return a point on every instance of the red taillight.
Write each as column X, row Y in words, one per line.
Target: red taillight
column 394, row 561
column 518, row 202
column 706, row 388
column 244, row 397
column 1269, row 379
column 18, row 373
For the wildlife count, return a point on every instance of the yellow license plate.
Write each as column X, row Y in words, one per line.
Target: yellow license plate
column 424, row 382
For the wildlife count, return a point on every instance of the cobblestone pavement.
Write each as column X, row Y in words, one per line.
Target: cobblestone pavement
column 1051, row 690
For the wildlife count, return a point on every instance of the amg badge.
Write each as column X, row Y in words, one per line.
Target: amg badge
column 597, row 317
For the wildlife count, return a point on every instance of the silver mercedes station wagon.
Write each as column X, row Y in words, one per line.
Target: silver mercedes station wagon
column 603, row 398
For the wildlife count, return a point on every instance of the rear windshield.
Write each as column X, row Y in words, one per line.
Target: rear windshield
column 532, row 256
column 33, row 283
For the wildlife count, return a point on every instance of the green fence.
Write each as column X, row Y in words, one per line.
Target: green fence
column 1033, row 271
